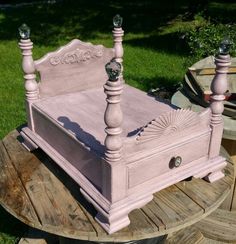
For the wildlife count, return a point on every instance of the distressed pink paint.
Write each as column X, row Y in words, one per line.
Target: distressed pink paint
column 120, row 168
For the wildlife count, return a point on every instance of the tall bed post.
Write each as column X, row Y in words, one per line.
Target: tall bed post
column 114, row 173
column 31, row 86
column 219, row 87
column 118, row 34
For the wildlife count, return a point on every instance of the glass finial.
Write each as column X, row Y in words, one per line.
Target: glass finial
column 113, row 70
column 225, row 45
column 117, row 21
column 24, row 31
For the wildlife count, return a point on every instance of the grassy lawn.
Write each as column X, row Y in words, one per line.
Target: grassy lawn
column 154, row 52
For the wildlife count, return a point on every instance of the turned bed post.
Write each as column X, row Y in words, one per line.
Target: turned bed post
column 118, row 34
column 31, row 86
column 114, row 173
column 113, row 114
column 114, row 185
column 219, row 87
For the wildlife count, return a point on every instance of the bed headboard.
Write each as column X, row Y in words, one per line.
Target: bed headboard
column 74, row 67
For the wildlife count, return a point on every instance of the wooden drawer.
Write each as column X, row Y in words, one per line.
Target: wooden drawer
column 160, row 163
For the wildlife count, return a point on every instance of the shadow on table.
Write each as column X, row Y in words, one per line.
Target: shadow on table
column 10, row 227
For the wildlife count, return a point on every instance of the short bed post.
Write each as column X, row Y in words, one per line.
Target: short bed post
column 31, row 86
column 114, row 170
column 218, row 86
column 113, row 114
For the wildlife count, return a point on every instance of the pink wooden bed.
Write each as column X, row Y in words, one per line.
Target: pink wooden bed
column 147, row 145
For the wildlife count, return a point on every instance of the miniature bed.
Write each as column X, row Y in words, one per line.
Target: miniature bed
column 147, row 145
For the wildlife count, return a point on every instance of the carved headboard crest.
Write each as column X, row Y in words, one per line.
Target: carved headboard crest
column 74, row 52
column 169, row 123
column 77, row 55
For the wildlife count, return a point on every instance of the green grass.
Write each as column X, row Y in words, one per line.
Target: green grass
column 154, row 55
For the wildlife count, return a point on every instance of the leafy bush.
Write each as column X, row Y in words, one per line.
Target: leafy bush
column 205, row 40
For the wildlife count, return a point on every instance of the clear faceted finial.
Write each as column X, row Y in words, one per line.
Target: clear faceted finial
column 225, row 45
column 117, row 21
column 113, row 70
column 24, row 31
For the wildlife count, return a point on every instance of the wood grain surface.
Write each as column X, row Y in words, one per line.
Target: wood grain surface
column 230, row 201
column 36, row 191
column 219, row 226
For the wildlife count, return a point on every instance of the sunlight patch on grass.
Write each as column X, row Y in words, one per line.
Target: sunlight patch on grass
column 146, row 69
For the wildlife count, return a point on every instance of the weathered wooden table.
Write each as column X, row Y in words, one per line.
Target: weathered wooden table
column 35, row 190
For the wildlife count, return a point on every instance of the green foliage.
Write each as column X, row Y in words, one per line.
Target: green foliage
column 205, row 40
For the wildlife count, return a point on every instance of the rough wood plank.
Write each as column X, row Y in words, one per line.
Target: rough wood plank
column 210, row 241
column 141, row 225
column 153, row 211
column 211, row 71
column 230, row 201
column 233, row 205
column 123, row 235
column 189, row 235
column 34, row 236
column 230, row 146
column 206, row 195
column 229, row 174
column 174, row 207
column 219, row 226
column 57, row 209
column 91, row 215
column 12, row 192
column 155, row 240
column 230, row 179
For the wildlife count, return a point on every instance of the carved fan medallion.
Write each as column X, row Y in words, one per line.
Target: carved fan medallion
column 168, row 123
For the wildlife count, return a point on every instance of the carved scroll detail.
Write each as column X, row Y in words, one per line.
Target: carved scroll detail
column 77, row 56
column 168, row 123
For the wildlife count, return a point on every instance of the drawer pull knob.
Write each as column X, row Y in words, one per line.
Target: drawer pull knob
column 177, row 161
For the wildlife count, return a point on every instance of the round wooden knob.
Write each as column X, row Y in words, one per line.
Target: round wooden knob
column 177, row 161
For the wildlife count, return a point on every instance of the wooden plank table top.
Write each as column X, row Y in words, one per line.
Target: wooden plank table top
column 37, row 192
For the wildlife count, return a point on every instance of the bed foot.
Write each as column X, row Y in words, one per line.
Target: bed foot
column 214, row 172
column 27, row 142
column 115, row 216
column 118, row 218
column 112, row 225
column 214, row 176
